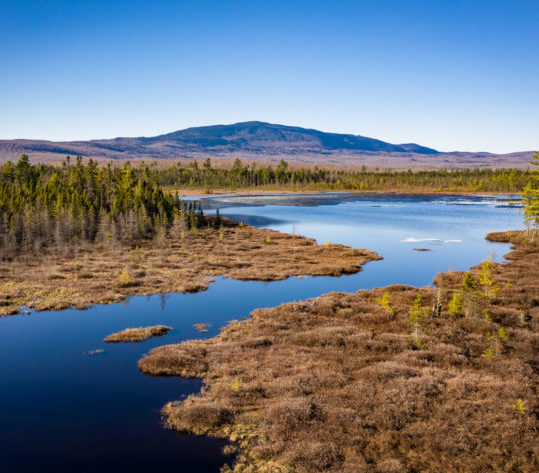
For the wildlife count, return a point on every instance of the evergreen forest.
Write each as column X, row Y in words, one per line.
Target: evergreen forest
column 44, row 206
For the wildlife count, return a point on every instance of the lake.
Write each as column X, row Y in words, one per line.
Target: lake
column 65, row 409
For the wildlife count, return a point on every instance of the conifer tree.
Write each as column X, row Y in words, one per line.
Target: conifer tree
column 531, row 198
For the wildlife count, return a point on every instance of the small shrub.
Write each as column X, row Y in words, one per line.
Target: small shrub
column 488, row 353
column 136, row 258
column 496, row 339
column 503, row 334
column 468, row 282
column 125, row 278
column 485, row 279
column 519, row 407
column 455, row 304
column 386, row 304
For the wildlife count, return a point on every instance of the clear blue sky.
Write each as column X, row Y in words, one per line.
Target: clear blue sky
column 453, row 74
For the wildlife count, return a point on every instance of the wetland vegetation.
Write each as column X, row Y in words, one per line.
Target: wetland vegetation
column 98, row 274
column 394, row 379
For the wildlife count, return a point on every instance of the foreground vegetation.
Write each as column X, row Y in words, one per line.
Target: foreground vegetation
column 397, row 379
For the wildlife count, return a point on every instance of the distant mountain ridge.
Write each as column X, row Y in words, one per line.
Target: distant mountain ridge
column 260, row 141
column 255, row 136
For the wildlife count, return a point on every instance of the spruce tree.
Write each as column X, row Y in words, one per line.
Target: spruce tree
column 531, row 198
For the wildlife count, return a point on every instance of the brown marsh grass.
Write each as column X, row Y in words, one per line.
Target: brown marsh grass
column 340, row 384
column 184, row 263
column 137, row 334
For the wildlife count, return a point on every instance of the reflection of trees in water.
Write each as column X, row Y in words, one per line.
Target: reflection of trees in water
column 315, row 200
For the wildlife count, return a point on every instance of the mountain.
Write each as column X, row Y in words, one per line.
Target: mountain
column 267, row 137
column 259, row 141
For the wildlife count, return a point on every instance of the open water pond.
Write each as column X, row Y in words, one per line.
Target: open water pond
column 67, row 410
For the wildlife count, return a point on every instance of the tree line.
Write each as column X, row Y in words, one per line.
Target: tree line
column 239, row 175
column 45, row 205
column 42, row 206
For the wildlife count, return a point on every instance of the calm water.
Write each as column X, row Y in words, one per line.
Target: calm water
column 64, row 410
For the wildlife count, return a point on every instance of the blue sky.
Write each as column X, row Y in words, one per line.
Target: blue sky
column 453, row 75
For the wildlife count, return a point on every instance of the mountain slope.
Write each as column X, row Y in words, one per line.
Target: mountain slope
column 259, row 141
column 257, row 136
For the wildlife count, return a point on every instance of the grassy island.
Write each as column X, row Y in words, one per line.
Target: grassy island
column 396, row 379
column 137, row 334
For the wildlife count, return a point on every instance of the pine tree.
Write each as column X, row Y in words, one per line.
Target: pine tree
column 455, row 305
column 386, row 304
column 470, row 295
column 531, row 199
column 415, row 319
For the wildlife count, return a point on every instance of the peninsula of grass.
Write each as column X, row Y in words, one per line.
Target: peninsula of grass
column 396, row 380
column 100, row 274
column 137, row 334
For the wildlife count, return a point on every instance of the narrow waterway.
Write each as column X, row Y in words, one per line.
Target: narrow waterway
column 67, row 406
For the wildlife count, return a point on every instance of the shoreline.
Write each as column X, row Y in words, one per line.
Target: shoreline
column 249, row 191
